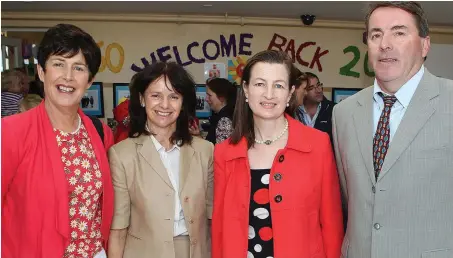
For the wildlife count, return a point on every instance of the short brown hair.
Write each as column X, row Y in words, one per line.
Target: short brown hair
column 413, row 8
column 301, row 79
column 243, row 124
column 14, row 81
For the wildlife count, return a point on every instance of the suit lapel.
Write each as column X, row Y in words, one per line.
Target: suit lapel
column 420, row 109
column 152, row 157
column 363, row 125
column 186, row 163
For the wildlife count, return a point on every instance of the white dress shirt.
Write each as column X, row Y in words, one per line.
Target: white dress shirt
column 403, row 95
column 171, row 160
column 307, row 118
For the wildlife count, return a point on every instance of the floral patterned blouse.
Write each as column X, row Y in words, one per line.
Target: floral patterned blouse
column 84, row 191
column 224, row 129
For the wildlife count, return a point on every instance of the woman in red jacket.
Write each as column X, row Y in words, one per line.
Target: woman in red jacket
column 57, row 193
column 276, row 190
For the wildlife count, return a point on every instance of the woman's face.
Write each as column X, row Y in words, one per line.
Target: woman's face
column 162, row 103
column 268, row 90
column 213, row 100
column 301, row 92
column 65, row 80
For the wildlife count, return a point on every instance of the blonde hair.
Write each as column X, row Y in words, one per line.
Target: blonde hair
column 30, row 101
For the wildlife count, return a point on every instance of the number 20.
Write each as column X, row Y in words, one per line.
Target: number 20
column 347, row 69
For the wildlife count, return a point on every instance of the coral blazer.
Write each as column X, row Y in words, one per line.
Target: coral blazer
column 306, row 223
column 35, row 201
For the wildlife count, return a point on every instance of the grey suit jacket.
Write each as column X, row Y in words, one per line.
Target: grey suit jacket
column 144, row 197
column 408, row 212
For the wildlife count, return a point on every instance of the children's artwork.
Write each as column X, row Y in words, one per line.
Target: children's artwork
column 202, row 107
column 340, row 94
column 93, row 101
column 120, row 93
column 214, row 70
column 235, row 68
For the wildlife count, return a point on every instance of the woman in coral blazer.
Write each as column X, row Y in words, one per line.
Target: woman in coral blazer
column 57, row 192
column 276, row 190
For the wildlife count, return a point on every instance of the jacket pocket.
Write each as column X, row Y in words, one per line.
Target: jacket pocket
column 438, row 253
column 345, row 248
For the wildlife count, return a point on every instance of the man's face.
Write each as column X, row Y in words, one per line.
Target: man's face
column 314, row 91
column 395, row 49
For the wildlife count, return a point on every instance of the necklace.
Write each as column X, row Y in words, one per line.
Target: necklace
column 78, row 126
column 268, row 142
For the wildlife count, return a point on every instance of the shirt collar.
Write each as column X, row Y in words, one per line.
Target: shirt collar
column 302, row 108
column 405, row 93
column 160, row 147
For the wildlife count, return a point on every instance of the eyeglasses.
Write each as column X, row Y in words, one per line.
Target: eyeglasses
column 318, row 86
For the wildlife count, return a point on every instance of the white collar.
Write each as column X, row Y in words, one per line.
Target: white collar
column 405, row 93
column 160, row 147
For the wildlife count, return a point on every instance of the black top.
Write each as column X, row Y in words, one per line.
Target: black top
column 214, row 120
column 261, row 241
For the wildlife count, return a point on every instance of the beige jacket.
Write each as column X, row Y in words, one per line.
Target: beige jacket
column 144, row 197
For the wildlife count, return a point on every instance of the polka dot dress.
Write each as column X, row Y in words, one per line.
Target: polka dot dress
column 261, row 242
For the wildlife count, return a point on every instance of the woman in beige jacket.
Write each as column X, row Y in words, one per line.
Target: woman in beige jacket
column 162, row 175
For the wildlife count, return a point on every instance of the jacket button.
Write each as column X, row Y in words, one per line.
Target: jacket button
column 281, row 158
column 186, row 199
column 278, row 198
column 193, row 242
column 377, row 226
column 191, row 221
column 373, row 189
column 278, row 177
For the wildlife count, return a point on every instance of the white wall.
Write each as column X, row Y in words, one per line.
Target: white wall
column 139, row 40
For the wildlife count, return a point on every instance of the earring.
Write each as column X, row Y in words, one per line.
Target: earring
column 287, row 104
column 246, row 100
column 143, row 104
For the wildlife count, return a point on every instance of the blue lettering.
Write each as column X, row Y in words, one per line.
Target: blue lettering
column 178, row 57
column 191, row 57
column 243, row 44
column 226, row 46
column 161, row 51
column 205, row 52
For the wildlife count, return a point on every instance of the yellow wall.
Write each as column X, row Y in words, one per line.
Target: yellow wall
column 139, row 39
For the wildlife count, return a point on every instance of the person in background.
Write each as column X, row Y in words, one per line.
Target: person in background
column 14, row 88
column 162, row 175
column 317, row 109
column 300, row 93
column 394, row 144
column 122, row 118
column 30, row 101
column 57, row 193
column 221, row 97
column 276, row 186
column 36, row 87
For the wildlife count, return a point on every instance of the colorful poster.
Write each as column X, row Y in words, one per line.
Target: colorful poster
column 235, row 68
column 214, row 70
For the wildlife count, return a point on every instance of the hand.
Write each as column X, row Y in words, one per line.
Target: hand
column 194, row 129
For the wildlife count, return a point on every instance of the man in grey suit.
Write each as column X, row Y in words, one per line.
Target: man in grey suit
column 394, row 145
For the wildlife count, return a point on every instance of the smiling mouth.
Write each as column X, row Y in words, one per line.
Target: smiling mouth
column 268, row 105
column 165, row 114
column 65, row 89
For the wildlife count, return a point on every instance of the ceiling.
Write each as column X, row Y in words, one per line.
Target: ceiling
column 439, row 13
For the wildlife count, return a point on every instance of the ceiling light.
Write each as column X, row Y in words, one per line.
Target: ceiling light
column 207, row 5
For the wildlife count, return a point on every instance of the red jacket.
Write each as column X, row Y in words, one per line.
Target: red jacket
column 306, row 223
column 35, row 213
